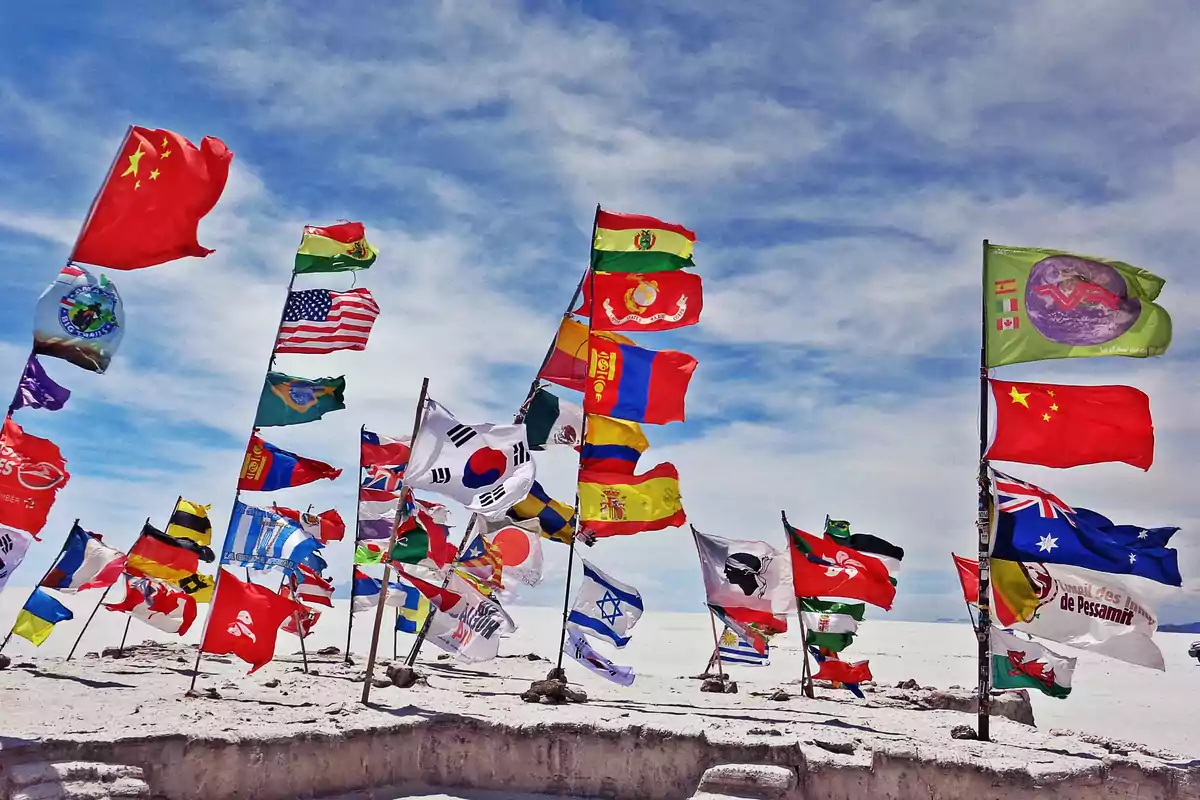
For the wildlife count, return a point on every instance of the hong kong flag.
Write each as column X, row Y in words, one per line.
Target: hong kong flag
column 823, row 568
column 32, row 470
column 151, row 204
column 1068, row 426
column 245, row 620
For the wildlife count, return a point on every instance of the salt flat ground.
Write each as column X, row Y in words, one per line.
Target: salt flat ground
column 1110, row 698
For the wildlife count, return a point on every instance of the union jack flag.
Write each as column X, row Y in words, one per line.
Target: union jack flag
column 1019, row 495
column 384, row 477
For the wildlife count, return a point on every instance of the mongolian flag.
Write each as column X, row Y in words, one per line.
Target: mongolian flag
column 568, row 362
column 267, row 468
column 634, row 302
column 637, row 243
column 1068, row 426
column 630, row 382
column 34, row 470
column 613, row 504
column 336, row 248
column 151, row 204
column 287, row 400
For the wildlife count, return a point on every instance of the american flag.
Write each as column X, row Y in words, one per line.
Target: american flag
column 321, row 321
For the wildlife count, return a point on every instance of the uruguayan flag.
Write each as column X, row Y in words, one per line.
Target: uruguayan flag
column 605, row 608
column 260, row 539
column 736, row 650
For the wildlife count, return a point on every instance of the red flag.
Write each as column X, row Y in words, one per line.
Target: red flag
column 968, row 577
column 32, row 470
column 843, row 671
column 634, row 302
column 308, row 619
column 442, row 599
column 149, row 208
column 324, row 527
column 1068, row 426
column 823, row 568
column 157, row 603
column 629, row 382
column 245, row 619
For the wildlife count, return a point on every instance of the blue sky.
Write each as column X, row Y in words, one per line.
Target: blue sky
column 840, row 164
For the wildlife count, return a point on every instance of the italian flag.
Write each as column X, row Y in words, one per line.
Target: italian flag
column 1023, row 664
column 336, row 248
column 826, row 616
column 637, row 243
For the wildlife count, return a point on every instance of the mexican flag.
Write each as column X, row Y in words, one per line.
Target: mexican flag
column 1022, row 664
column 550, row 420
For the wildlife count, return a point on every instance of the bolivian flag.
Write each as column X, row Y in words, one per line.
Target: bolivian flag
column 39, row 615
column 612, row 504
column 637, row 243
column 337, row 248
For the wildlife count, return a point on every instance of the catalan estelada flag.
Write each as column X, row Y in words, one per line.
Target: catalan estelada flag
column 637, row 243
column 336, row 248
column 630, row 382
column 568, row 361
column 611, row 504
column 612, row 445
column 39, row 615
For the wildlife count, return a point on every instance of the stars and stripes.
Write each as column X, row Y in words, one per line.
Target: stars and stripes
column 1015, row 495
column 322, row 321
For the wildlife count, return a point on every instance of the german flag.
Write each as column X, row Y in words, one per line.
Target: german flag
column 176, row 561
column 190, row 521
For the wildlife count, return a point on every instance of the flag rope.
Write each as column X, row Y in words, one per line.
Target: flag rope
column 983, row 522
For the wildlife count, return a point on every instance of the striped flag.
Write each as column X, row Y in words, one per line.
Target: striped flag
column 321, row 321
column 737, row 650
column 314, row 588
column 260, row 539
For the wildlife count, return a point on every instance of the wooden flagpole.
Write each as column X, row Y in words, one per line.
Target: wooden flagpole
column 357, row 529
column 418, row 416
column 237, row 493
column 534, row 385
column 983, row 521
column 45, row 575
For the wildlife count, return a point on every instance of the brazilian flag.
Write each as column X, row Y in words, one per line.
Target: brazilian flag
column 288, row 400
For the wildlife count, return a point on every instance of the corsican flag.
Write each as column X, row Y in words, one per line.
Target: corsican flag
column 260, row 539
column 745, row 574
column 605, row 607
column 1021, row 664
column 487, row 468
column 579, row 648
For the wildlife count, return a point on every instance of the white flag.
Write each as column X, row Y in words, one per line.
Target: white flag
column 471, row 628
column 13, row 544
column 580, row 649
column 520, row 546
column 745, row 574
column 487, row 468
column 605, row 607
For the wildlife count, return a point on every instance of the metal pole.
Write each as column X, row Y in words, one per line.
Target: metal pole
column 89, row 621
column 237, row 494
column 357, row 528
column 387, row 557
column 806, row 684
column 983, row 522
column 121, row 647
column 712, row 620
column 299, row 624
column 45, row 575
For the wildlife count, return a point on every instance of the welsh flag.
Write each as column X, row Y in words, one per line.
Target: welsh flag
column 1023, row 664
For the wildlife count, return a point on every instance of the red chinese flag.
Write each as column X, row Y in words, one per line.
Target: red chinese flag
column 1068, row 426
column 32, row 470
column 245, row 620
column 634, row 302
column 823, row 568
column 149, row 208
column 843, row 671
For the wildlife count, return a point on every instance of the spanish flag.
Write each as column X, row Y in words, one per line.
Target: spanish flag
column 637, row 243
column 336, row 248
column 612, row 504
column 568, row 362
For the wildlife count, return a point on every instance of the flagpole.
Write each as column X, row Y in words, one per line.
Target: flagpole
column 128, row 616
column 983, row 521
column 357, row 530
column 806, row 683
column 296, row 617
column 92, row 616
column 518, row 418
column 418, row 416
column 589, row 276
column 46, row 574
column 237, row 492
column 712, row 620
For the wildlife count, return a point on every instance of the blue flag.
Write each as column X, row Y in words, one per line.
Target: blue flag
column 261, row 539
column 1033, row 525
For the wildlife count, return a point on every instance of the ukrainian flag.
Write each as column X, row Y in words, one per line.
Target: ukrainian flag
column 39, row 615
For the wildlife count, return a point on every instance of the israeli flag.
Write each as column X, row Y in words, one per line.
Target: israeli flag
column 261, row 539
column 605, row 607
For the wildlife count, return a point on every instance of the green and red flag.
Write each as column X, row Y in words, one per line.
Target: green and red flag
column 1023, row 664
column 1042, row 304
column 334, row 248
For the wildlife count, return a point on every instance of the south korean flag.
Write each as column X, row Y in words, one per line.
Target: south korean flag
column 487, row 468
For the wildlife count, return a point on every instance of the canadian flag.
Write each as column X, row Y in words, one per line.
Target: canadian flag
column 245, row 620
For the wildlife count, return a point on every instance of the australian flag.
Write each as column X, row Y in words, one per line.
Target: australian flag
column 1034, row 525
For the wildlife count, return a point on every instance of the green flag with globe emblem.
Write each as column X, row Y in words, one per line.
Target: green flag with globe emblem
column 1044, row 304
